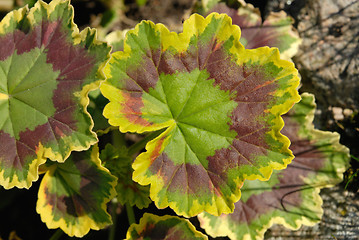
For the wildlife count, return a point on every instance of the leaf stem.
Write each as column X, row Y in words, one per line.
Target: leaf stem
column 112, row 233
column 142, row 143
column 351, row 178
column 130, row 214
column 57, row 234
column 355, row 158
column 354, row 174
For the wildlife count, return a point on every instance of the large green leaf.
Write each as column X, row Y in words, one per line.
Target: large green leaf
column 47, row 69
column 153, row 227
column 73, row 195
column 219, row 104
column 291, row 196
column 275, row 31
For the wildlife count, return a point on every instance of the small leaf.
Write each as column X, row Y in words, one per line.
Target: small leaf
column 119, row 163
column 153, row 227
column 291, row 196
column 73, row 195
column 219, row 104
column 47, row 69
column 275, row 31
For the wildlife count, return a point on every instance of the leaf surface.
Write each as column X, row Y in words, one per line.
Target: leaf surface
column 47, row 69
column 73, row 195
column 153, row 227
column 119, row 163
column 291, row 196
column 219, row 104
column 275, row 31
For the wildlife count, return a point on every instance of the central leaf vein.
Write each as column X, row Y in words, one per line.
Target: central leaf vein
column 189, row 96
column 37, row 58
column 32, row 107
column 32, row 87
column 191, row 149
column 204, row 108
column 206, row 130
column 187, row 146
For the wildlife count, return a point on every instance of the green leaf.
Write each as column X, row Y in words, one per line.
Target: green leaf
column 276, row 31
column 73, row 195
column 153, row 227
column 291, row 196
column 47, row 69
column 219, row 104
column 119, row 163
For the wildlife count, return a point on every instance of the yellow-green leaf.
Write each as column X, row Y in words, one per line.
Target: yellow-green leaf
column 218, row 103
column 47, row 68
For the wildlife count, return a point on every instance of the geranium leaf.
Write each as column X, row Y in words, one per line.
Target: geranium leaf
column 291, row 196
column 119, row 163
column 275, row 31
column 219, row 103
column 153, row 227
column 73, row 195
column 47, row 69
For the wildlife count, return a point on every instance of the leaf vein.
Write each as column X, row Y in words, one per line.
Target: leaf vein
column 189, row 97
column 215, row 189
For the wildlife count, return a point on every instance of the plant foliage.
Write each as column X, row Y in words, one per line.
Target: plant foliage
column 291, row 196
column 73, row 195
column 275, row 31
column 118, row 161
column 219, row 103
column 164, row 227
column 47, row 69
column 212, row 107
